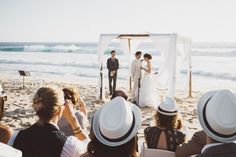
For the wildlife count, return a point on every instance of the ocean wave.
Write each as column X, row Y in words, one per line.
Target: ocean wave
column 79, row 65
column 59, row 48
column 214, row 51
column 51, row 48
column 225, row 76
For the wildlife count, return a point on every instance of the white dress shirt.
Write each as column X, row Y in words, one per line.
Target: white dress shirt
column 8, row 151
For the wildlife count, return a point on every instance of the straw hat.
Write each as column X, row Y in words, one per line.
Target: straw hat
column 217, row 115
column 168, row 107
column 117, row 122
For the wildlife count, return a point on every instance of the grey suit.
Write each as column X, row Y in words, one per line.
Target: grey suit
column 224, row 150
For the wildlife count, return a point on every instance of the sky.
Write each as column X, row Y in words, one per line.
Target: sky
column 84, row 20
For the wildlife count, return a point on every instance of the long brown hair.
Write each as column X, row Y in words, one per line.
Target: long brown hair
column 168, row 122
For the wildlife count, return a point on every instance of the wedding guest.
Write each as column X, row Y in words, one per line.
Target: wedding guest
column 119, row 93
column 112, row 66
column 44, row 139
column 165, row 134
column 72, row 94
column 216, row 113
column 193, row 146
column 114, row 130
column 6, row 132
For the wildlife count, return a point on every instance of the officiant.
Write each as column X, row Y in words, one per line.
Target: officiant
column 112, row 66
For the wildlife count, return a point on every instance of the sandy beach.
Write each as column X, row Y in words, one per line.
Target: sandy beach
column 19, row 113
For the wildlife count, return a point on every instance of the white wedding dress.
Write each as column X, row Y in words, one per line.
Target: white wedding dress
column 148, row 92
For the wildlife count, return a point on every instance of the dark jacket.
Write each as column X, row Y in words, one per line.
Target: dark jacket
column 112, row 65
column 193, row 146
column 40, row 141
column 224, row 150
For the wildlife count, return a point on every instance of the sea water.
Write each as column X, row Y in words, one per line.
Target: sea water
column 213, row 64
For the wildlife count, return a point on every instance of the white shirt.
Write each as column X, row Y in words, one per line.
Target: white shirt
column 73, row 147
column 8, row 151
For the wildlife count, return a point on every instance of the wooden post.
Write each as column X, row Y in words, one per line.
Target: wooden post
column 190, row 82
column 1, row 108
column 23, row 82
column 101, row 78
column 130, row 81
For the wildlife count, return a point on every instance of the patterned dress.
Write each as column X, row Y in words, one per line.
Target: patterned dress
column 173, row 137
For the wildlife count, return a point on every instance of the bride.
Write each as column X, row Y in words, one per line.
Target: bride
column 148, row 92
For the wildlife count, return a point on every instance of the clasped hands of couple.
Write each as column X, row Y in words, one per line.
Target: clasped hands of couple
column 142, row 68
column 113, row 73
column 69, row 114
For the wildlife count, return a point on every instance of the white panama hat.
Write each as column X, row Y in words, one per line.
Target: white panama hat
column 168, row 107
column 217, row 115
column 116, row 122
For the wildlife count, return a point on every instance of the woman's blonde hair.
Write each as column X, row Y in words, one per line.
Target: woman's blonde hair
column 47, row 101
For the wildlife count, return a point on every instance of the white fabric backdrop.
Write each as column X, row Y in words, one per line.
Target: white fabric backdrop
column 124, row 43
column 166, row 44
column 102, row 45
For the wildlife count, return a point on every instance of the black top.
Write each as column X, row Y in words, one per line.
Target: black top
column 112, row 64
column 222, row 150
column 173, row 137
column 40, row 141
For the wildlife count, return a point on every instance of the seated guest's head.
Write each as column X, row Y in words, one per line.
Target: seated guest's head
column 119, row 93
column 167, row 114
column 217, row 115
column 6, row 132
column 71, row 93
column 48, row 103
column 114, row 129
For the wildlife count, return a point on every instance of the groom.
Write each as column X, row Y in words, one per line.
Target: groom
column 135, row 75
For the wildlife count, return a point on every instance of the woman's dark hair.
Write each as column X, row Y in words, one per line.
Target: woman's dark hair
column 119, row 93
column 98, row 149
column 169, row 122
column 147, row 56
column 138, row 53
